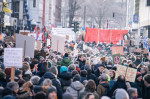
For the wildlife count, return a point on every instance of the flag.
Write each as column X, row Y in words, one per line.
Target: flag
column 145, row 44
column 37, row 34
column 35, row 29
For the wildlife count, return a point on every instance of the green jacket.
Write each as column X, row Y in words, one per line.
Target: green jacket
column 66, row 62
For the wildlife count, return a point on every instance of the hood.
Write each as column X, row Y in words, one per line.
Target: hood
column 66, row 75
column 106, row 85
column 77, row 85
column 66, row 60
column 49, row 75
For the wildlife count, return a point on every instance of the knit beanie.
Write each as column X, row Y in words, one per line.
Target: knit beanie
column 63, row 69
column 76, row 78
column 138, row 74
column 2, row 74
column 51, row 89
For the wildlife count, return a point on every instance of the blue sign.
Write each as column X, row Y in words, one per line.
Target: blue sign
column 136, row 18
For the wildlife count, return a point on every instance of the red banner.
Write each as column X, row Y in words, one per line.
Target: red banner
column 107, row 36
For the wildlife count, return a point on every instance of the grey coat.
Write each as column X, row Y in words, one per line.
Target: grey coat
column 75, row 88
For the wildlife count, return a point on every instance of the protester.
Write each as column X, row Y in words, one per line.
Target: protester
column 88, row 74
column 52, row 93
column 147, row 84
column 90, row 87
column 132, row 93
column 66, row 61
column 65, row 78
column 103, row 87
column 76, row 87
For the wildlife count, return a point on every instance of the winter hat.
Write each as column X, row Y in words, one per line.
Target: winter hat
column 51, row 89
column 138, row 74
column 67, row 96
column 37, row 89
column 87, row 67
column 121, row 94
column 63, row 69
column 76, row 78
column 2, row 74
column 8, row 71
column 66, row 55
column 17, row 72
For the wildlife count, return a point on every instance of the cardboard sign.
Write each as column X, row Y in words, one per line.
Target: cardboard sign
column 13, row 57
column 28, row 46
column 58, row 43
column 121, row 70
column 38, row 45
column 116, row 59
column 117, row 50
column 129, row 73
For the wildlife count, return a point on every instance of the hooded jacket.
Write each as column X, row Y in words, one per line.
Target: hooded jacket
column 102, row 89
column 66, row 62
column 55, row 82
column 75, row 88
column 65, row 80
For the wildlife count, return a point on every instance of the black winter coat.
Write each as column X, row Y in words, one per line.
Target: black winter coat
column 81, row 64
column 92, row 76
column 147, row 93
column 55, row 82
column 137, row 85
column 65, row 80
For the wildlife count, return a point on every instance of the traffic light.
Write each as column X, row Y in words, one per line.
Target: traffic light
column 75, row 26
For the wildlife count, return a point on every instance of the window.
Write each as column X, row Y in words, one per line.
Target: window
column 34, row 3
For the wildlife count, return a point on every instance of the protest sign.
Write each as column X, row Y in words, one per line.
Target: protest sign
column 48, row 42
column 129, row 73
column 58, row 43
column 117, row 50
column 38, row 45
column 116, row 59
column 27, row 43
column 24, row 32
column 13, row 57
column 121, row 70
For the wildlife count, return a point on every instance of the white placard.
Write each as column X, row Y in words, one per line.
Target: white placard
column 48, row 42
column 58, row 43
column 13, row 57
column 30, row 44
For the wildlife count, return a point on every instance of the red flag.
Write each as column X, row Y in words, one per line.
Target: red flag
column 35, row 29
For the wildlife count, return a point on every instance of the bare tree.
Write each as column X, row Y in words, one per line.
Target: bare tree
column 73, row 7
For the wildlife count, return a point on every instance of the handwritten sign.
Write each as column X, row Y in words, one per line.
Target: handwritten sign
column 116, row 58
column 121, row 70
column 117, row 50
column 129, row 73
column 13, row 57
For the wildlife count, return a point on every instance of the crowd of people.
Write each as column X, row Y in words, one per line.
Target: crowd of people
column 65, row 76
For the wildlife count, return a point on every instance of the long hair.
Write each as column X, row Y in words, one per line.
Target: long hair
column 90, row 86
column 26, row 86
